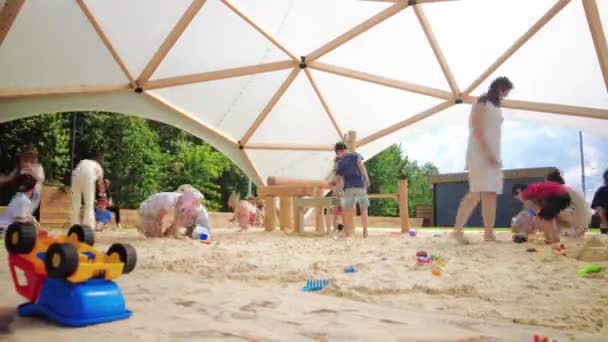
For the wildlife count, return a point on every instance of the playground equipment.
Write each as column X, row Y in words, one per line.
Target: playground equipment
column 297, row 195
column 66, row 279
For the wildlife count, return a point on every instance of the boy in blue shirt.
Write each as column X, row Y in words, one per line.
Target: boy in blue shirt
column 103, row 216
column 352, row 177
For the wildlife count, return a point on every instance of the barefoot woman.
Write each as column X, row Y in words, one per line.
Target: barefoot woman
column 483, row 158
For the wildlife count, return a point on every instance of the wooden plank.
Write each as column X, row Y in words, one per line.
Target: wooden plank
column 330, row 114
column 217, row 75
column 357, row 30
column 269, row 106
column 286, row 213
column 430, row 36
column 559, row 5
column 394, row 196
column 551, row 108
column 272, row 180
column 104, row 39
column 285, row 190
column 381, row 80
column 239, row 11
column 9, row 12
column 597, row 34
column 407, row 122
column 288, row 147
column 270, row 217
column 404, row 214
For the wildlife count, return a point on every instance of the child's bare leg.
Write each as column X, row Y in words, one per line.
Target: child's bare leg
column 556, row 231
column 364, row 220
column 349, row 218
column 488, row 211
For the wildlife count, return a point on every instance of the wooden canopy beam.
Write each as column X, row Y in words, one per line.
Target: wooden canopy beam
column 191, row 117
column 270, row 105
column 8, row 13
column 330, row 114
column 105, row 41
column 559, row 5
column 170, row 40
column 238, row 11
column 32, row 92
column 430, row 36
column 357, row 30
column 218, row 75
column 288, row 147
column 407, row 122
column 385, row 81
column 551, row 108
column 597, row 33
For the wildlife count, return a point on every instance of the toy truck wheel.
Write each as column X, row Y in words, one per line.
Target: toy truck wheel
column 126, row 254
column 61, row 260
column 85, row 233
column 20, row 238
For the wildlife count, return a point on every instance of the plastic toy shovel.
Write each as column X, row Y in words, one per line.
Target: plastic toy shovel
column 588, row 269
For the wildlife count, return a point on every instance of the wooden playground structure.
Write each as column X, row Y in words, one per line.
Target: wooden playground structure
column 296, row 196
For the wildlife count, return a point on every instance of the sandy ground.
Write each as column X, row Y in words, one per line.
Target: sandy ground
column 247, row 287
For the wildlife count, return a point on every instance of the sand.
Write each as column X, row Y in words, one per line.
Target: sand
column 247, row 287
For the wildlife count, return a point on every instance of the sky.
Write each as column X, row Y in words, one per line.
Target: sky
column 524, row 145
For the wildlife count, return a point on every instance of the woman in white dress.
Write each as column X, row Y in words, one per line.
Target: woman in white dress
column 483, row 158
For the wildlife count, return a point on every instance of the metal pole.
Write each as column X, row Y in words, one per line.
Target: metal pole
column 249, row 188
column 73, row 147
column 580, row 139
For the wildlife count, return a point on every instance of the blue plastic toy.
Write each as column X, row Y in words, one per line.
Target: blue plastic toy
column 350, row 269
column 315, row 284
column 77, row 305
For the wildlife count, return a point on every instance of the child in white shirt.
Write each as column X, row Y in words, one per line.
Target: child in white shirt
column 21, row 208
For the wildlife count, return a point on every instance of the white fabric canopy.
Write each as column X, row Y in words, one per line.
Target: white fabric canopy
column 231, row 72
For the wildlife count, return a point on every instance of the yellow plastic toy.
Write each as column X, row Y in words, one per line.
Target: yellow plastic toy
column 70, row 257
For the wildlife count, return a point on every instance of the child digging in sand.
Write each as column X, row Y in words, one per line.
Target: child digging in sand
column 21, row 207
column 523, row 224
column 550, row 199
column 162, row 214
column 244, row 211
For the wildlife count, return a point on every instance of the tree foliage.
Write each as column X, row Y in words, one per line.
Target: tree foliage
column 142, row 157
column 386, row 169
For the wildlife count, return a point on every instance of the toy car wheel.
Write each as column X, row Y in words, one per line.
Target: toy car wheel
column 126, row 254
column 20, row 238
column 61, row 260
column 85, row 233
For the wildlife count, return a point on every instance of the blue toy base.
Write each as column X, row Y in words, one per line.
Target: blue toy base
column 78, row 305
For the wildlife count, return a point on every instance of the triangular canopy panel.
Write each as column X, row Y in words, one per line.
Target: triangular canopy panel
column 228, row 105
column 51, row 44
column 217, row 39
column 274, row 84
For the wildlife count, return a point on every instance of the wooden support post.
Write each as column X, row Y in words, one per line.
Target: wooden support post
column 319, row 219
column 298, row 218
column 351, row 141
column 404, row 214
column 285, row 213
column 270, row 217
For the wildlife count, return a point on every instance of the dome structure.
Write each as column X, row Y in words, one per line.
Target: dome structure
column 273, row 84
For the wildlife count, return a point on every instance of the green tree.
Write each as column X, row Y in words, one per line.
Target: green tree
column 198, row 165
column 386, row 169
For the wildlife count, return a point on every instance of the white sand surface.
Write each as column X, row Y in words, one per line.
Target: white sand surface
column 247, row 287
